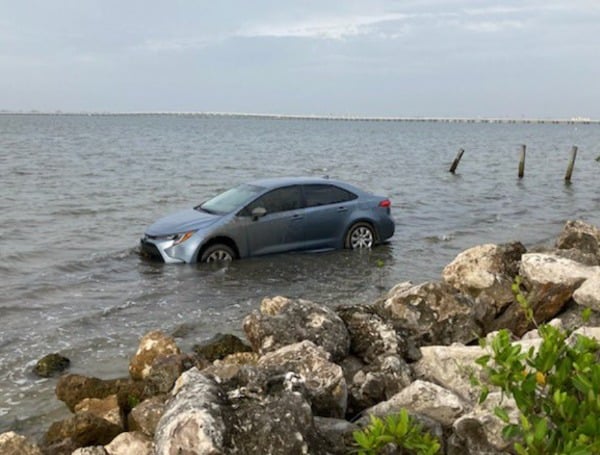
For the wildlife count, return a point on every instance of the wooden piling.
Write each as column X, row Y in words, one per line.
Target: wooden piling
column 522, row 161
column 571, row 164
column 456, row 160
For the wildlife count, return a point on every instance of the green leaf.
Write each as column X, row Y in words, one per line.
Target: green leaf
column 501, row 414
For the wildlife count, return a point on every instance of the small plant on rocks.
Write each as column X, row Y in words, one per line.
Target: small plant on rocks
column 399, row 431
column 556, row 388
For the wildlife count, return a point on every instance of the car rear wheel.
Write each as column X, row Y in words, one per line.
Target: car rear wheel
column 360, row 235
column 217, row 253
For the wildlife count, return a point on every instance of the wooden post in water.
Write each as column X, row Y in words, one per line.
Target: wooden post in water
column 571, row 164
column 522, row 161
column 456, row 160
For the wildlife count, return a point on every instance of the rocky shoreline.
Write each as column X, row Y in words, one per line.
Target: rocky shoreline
column 308, row 376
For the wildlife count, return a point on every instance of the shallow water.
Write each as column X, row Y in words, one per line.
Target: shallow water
column 78, row 191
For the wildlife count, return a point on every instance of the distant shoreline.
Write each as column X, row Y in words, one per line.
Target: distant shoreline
column 574, row 120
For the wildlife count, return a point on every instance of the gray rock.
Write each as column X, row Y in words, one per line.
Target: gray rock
column 323, row 380
column 424, row 398
column 486, row 273
column 51, row 365
column 193, row 420
column 336, row 434
column 580, row 236
column 588, row 294
column 431, row 313
column 12, row 443
column 92, row 450
column 370, row 335
column 282, row 321
column 130, row 443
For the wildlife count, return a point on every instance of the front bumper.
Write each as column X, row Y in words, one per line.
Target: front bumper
column 164, row 250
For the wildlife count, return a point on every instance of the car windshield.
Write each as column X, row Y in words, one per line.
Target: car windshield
column 231, row 199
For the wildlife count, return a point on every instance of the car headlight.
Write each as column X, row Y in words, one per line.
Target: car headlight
column 180, row 238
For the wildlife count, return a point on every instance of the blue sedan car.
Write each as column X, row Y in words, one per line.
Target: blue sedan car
column 272, row 216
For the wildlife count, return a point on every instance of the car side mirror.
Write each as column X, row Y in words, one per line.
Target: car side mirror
column 258, row 212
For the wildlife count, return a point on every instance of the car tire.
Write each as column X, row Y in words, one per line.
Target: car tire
column 217, row 253
column 360, row 235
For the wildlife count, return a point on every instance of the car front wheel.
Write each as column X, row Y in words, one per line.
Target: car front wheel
column 360, row 235
column 217, row 253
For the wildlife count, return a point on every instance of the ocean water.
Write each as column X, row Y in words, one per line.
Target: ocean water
column 77, row 192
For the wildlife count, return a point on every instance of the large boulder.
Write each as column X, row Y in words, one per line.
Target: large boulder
column 425, row 398
column 430, row 313
column 80, row 430
column 145, row 416
column 486, row 273
column 193, row 421
column 588, row 294
column 152, row 346
column 12, row 443
column 323, row 380
column 106, row 408
column 549, row 282
column 73, row 388
column 582, row 237
column 282, row 321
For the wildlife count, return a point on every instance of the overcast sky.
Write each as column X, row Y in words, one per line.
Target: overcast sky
column 446, row 58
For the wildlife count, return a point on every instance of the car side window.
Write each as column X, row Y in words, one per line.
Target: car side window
column 278, row 200
column 319, row 194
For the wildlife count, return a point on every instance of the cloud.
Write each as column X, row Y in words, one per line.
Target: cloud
column 329, row 28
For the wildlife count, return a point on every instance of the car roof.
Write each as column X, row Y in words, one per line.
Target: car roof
column 276, row 182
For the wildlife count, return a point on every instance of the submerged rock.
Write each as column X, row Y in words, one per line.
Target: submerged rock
column 51, row 365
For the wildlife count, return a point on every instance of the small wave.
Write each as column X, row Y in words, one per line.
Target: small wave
column 432, row 239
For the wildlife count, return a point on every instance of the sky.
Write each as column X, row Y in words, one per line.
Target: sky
column 375, row 58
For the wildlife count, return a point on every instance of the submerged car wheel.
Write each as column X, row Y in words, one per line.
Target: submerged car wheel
column 360, row 235
column 217, row 253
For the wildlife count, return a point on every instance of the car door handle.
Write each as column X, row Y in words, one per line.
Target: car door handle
column 342, row 209
column 297, row 217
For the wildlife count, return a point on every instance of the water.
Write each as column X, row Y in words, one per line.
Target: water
column 78, row 191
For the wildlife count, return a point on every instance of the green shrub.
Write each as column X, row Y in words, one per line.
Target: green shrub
column 399, row 429
column 556, row 389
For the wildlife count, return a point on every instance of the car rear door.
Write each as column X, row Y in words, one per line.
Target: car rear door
column 328, row 208
column 281, row 228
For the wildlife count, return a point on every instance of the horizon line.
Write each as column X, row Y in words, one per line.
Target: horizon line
column 572, row 120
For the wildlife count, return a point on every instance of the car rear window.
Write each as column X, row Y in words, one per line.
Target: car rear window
column 319, row 194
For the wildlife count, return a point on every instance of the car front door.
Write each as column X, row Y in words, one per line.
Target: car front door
column 281, row 228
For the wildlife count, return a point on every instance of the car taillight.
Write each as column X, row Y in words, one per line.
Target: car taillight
column 386, row 203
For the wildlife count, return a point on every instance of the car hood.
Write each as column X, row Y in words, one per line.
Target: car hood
column 184, row 221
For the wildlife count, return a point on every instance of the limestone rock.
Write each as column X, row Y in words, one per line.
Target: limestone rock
column 580, row 236
column 370, row 335
column 424, row 398
column 146, row 415
column 193, row 420
column 220, row 346
column 152, row 345
column 106, row 408
column 324, row 381
column 51, row 365
column 486, row 272
column 337, row 434
column 12, row 443
column 283, row 321
column 431, row 313
column 91, row 450
column 550, row 268
column 73, row 388
column 588, row 294
column 130, row 443
column 480, row 431
column 80, row 430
